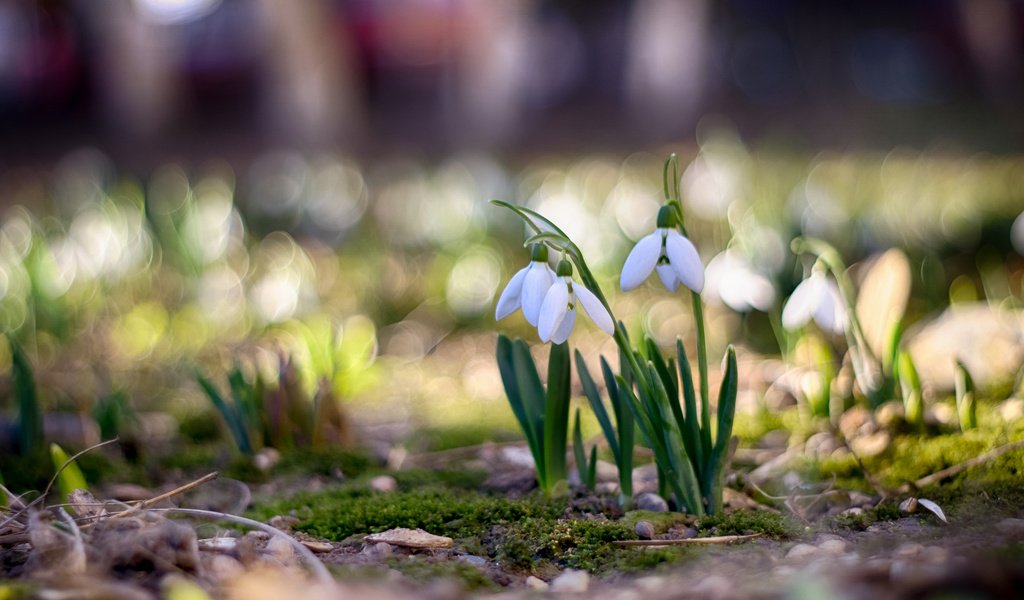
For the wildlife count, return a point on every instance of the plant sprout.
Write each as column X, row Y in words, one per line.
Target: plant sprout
column 691, row 466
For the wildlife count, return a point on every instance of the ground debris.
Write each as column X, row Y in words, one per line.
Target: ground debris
column 410, row 538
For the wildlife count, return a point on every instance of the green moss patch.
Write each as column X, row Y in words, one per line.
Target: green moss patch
column 338, row 514
column 580, row 544
column 746, row 522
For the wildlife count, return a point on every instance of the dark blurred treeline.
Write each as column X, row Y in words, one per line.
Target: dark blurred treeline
column 150, row 78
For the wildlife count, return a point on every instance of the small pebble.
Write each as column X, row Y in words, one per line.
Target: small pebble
column 283, row 522
column 536, row 583
column 571, row 581
column 281, row 549
column 801, row 551
column 713, row 587
column 378, row 550
column 266, row 459
column 1012, row 409
column 651, row 502
column 221, row 568
column 644, row 530
column 1013, row 527
column 908, row 506
column 870, row 445
column 318, row 547
column 833, row 547
column 384, row 484
column 908, row 550
column 688, row 533
column 476, row 561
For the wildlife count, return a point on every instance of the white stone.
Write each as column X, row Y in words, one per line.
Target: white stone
column 571, row 581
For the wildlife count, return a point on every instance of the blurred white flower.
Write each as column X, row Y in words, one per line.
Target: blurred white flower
column 738, row 285
column 527, row 288
column 558, row 312
column 816, row 297
column 669, row 252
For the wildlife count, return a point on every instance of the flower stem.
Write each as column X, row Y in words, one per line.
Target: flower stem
column 702, row 369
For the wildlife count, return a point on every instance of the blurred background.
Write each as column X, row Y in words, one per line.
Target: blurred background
column 145, row 79
column 299, row 189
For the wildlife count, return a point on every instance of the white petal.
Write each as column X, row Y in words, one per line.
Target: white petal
column 683, row 257
column 760, row 292
column 553, row 310
column 668, row 277
column 509, row 300
column 598, row 313
column 802, row 303
column 539, row 278
column 641, row 261
column 565, row 328
column 831, row 312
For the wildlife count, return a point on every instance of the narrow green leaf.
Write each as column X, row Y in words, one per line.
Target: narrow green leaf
column 597, row 405
column 579, row 453
column 691, row 425
column 627, row 432
column 506, row 357
column 715, row 475
column 30, row 417
column 592, row 469
column 228, row 413
column 965, row 401
column 556, row 415
column 531, row 389
column 69, row 478
column 910, row 385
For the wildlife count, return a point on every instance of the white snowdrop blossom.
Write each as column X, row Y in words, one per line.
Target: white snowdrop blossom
column 816, row 297
column 558, row 312
column 668, row 252
column 527, row 288
column 738, row 285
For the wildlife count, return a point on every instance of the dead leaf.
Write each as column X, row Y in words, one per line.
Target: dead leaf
column 934, row 508
column 883, row 297
column 410, row 538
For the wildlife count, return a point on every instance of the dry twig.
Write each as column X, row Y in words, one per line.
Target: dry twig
column 318, row 568
column 960, row 467
column 722, row 539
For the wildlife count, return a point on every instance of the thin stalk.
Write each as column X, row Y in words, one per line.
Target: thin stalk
column 702, row 369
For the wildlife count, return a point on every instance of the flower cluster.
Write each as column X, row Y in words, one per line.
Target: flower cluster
column 548, row 299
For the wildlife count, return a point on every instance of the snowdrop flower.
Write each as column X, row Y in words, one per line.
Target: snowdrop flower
column 669, row 253
column 527, row 288
column 731, row 279
column 558, row 312
column 816, row 297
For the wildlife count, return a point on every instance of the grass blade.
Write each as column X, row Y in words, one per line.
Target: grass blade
column 69, row 478
column 597, row 405
column 691, row 425
column 556, row 414
column 715, row 476
column 30, row 417
column 506, row 357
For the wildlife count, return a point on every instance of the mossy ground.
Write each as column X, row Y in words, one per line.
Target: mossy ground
column 530, row 535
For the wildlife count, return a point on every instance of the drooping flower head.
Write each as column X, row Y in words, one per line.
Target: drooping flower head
column 734, row 281
column 558, row 312
column 816, row 297
column 527, row 287
column 668, row 252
